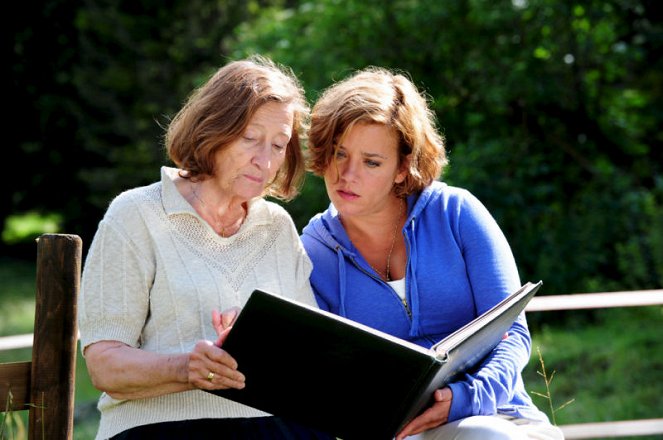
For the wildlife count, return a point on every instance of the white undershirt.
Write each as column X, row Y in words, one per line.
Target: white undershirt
column 399, row 287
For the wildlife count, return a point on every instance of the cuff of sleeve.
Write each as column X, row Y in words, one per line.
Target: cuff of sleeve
column 461, row 406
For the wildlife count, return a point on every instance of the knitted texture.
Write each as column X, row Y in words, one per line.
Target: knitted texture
column 155, row 271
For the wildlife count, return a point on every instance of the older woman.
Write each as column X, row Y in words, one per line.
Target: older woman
column 203, row 238
column 404, row 253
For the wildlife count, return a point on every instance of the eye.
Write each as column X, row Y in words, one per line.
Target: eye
column 250, row 135
column 372, row 164
column 340, row 154
column 279, row 148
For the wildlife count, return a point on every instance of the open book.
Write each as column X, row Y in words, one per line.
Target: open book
column 345, row 378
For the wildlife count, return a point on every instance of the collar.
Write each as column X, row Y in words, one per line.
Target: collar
column 258, row 212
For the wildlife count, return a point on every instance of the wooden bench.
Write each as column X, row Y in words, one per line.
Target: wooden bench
column 45, row 385
column 579, row 301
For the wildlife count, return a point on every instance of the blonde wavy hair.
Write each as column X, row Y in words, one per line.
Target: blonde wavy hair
column 378, row 96
column 217, row 113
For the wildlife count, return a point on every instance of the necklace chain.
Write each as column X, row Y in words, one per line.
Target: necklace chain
column 219, row 225
column 386, row 275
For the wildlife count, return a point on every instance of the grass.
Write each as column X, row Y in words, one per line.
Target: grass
column 86, row 416
column 610, row 366
column 609, row 362
column 547, row 381
column 17, row 297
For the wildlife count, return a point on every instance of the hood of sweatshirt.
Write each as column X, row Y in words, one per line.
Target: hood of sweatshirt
column 327, row 229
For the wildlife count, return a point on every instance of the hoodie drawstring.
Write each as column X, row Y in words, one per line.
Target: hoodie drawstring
column 414, row 291
column 341, row 281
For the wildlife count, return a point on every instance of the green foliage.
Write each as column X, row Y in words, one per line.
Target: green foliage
column 30, row 225
column 17, row 297
column 153, row 57
column 551, row 110
column 551, row 113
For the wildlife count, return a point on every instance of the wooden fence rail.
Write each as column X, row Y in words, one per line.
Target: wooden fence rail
column 613, row 429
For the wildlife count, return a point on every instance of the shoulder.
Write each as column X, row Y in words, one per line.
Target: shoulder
column 128, row 209
column 269, row 214
column 450, row 199
column 131, row 198
column 266, row 211
column 274, row 209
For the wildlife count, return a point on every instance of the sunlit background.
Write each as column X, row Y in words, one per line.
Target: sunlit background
column 552, row 112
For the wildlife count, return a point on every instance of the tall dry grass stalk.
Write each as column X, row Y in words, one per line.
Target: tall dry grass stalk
column 548, row 395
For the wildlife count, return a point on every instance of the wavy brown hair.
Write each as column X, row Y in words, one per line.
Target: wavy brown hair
column 378, row 96
column 217, row 113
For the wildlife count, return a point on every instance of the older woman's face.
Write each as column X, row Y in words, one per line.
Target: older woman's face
column 251, row 162
column 360, row 179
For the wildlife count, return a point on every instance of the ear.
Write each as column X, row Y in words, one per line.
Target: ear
column 403, row 170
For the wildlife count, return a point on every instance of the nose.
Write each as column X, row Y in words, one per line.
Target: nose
column 347, row 170
column 263, row 156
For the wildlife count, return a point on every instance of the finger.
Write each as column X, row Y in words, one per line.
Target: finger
column 216, row 321
column 216, row 382
column 223, row 378
column 414, row 427
column 212, row 368
column 433, row 417
column 229, row 316
column 222, row 336
column 404, row 432
column 206, row 357
column 208, row 351
column 411, row 428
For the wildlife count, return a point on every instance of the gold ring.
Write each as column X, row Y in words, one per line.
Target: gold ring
column 210, row 376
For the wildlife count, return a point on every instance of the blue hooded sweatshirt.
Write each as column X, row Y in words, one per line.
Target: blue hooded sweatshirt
column 459, row 264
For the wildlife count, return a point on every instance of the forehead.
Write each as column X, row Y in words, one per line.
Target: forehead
column 276, row 116
column 370, row 136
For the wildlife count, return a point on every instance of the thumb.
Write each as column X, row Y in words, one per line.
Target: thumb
column 443, row 394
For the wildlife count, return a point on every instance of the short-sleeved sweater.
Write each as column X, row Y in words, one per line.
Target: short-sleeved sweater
column 154, row 272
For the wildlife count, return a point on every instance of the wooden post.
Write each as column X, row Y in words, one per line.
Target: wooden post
column 54, row 370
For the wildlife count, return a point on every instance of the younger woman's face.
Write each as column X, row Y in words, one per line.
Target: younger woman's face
column 360, row 178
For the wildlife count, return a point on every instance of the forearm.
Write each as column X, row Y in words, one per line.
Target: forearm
column 125, row 372
column 492, row 385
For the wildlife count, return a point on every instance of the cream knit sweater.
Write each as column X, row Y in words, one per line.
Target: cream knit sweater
column 153, row 274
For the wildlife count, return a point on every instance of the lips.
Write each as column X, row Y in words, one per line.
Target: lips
column 347, row 195
column 255, row 179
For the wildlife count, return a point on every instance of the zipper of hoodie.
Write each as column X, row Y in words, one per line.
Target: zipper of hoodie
column 402, row 300
column 407, row 264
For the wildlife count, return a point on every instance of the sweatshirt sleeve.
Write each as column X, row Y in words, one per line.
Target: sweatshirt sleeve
column 303, row 269
column 493, row 276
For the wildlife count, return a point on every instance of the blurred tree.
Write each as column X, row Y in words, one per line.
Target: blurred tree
column 138, row 62
column 552, row 112
column 42, row 126
column 94, row 83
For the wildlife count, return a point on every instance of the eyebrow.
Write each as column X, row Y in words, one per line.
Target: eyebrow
column 370, row 155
